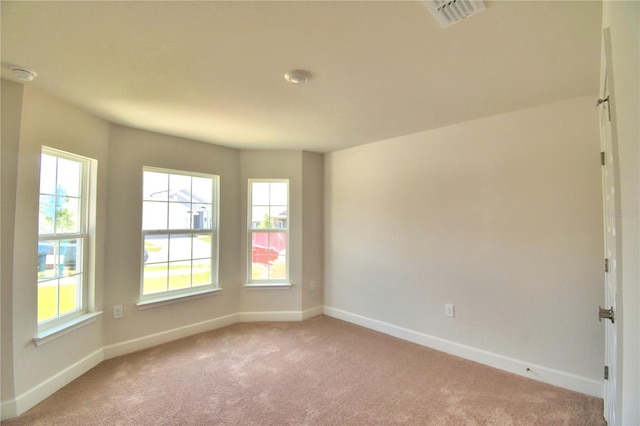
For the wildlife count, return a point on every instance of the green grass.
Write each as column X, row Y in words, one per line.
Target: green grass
column 48, row 301
column 180, row 278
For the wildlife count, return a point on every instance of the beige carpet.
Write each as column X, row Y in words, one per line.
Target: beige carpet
column 318, row 372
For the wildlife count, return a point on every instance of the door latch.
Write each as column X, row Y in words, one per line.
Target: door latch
column 606, row 314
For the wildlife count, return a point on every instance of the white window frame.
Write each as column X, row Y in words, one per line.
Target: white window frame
column 284, row 282
column 169, row 296
column 72, row 319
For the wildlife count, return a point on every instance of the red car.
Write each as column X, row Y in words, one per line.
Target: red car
column 262, row 254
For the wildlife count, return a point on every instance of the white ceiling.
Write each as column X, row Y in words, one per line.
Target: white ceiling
column 213, row 71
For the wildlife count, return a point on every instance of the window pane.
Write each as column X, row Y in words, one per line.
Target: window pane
column 155, row 186
column 260, row 193
column 180, row 188
column 46, row 217
column 278, row 217
column 278, row 270
column 277, row 243
column 69, row 177
column 154, row 278
column 70, row 293
column 154, row 215
column 46, row 264
column 262, row 250
column 202, row 190
column 70, row 256
column 202, row 216
column 189, row 204
column 62, row 210
column 179, row 275
column 201, row 272
column 47, row 300
column 202, row 246
column 156, row 248
column 279, row 193
column 180, row 247
column 67, row 213
column 179, row 216
column 260, row 218
column 47, row 174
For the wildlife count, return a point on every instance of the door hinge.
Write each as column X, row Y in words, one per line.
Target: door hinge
column 601, row 101
column 602, row 158
column 606, row 372
column 606, row 265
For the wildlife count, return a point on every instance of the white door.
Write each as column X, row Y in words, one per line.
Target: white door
column 611, row 201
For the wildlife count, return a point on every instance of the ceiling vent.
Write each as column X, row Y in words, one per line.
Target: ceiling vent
column 450, row 12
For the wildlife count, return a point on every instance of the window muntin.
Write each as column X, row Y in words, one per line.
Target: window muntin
column 268, row 231
column 63, row 238
column 179, row 233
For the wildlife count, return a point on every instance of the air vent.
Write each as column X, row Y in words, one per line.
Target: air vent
column 450, row 12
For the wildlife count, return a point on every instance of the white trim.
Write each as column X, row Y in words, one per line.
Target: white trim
column 67, row 327
column 537, row 372
column 267, row 286
column 155, row 339
column 267, row 316
column 8, row 410
column 312, row 312
column 45, row 389
column 168, row 300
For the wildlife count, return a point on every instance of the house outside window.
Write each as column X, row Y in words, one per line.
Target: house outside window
column 179, row 233
column 63, row 238
column 268, row 231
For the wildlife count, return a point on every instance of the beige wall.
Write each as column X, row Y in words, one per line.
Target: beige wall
column 10, row 143
column 129, row 151
column 312, row 229
column 274, row 165
column 47, row 121
column 500, row 216
column 33, row 118
column 623, row 20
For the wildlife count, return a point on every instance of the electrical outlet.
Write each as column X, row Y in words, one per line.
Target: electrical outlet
column 118, row 312
column 450, row 310
column 312, row 285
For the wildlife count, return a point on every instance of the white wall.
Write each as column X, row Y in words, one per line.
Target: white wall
column 623, row 20
column 305, row 173
column 10, row 142
column 312, row 229
column 47, row 121
column 274, row 165
column 500, row 216
column 129, row 151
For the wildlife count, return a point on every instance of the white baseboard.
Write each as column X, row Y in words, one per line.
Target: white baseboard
column 313, row 312
column 8, row 410
column 537, row 372
column 151, row 340
column 39, row 393
column 279, row 315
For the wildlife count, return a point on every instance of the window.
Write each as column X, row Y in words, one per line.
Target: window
column 63, row 238
column 179, row 232
column 268, row 231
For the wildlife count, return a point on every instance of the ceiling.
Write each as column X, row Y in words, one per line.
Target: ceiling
column 213, row 71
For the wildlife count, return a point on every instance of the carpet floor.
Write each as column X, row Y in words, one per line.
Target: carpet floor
column 321, row 371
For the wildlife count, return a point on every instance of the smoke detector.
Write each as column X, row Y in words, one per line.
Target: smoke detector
column 298, row 77
column 449, row 12
column 22, row 74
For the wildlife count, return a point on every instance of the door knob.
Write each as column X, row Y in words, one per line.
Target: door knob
column 605, row 313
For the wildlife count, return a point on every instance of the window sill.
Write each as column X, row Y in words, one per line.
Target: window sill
column 62, row 329
column 168, row 300
column 266, row 286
